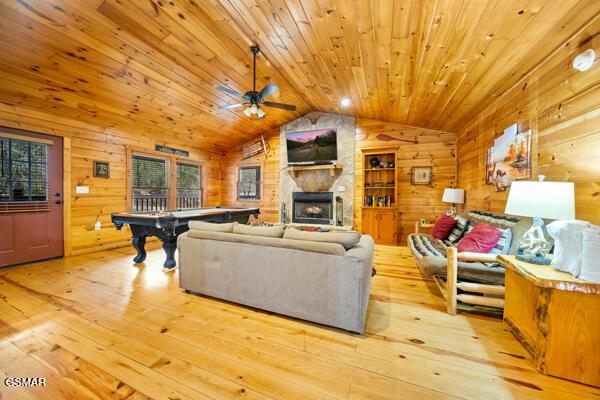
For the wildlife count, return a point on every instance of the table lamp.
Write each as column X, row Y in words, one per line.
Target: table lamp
column 550, row 200
column 454, row 196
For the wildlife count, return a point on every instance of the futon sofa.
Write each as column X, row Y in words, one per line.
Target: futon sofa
column 323, row 277
column 430, row 253
column 469, row 281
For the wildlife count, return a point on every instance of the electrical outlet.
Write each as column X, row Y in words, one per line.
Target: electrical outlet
column 82, row 189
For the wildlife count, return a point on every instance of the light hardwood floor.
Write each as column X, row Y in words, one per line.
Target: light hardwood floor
column 98, row 327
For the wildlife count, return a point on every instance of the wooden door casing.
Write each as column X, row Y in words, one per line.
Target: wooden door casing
column 28, row 236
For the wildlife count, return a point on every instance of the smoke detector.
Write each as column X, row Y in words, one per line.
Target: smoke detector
column 585, row 60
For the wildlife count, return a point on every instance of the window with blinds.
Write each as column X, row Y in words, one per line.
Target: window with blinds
column 23, row 172
column 149, row 184
column 189, row 186
column 249, row 183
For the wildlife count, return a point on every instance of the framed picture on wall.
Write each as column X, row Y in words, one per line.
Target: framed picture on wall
column 509, row 159
column 420, row 175
column 101, row 169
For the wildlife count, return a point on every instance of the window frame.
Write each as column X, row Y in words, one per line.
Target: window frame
column 30, row 164
column 172, row 160
column 259, row 186
column 199, row 164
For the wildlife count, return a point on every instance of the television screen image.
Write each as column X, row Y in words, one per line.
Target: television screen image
column 312, row 146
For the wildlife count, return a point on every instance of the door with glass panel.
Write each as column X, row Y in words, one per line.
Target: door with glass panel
column 31, row 202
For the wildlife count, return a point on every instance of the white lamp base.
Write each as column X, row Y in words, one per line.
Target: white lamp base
column 534, row 247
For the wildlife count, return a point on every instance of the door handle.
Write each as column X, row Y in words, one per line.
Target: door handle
column 58, row 202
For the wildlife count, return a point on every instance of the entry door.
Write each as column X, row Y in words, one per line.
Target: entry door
column 31, row 202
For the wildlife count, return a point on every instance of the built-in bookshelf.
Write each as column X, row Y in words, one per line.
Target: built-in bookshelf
column 379, row 179
column 379, row 207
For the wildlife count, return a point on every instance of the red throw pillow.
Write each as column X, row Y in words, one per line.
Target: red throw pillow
column 481, row 239
column 443, row 226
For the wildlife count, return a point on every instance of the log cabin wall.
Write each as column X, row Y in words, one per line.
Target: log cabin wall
column 562, row 107
column 107, row 195
column 269, row 199
column 417, row 147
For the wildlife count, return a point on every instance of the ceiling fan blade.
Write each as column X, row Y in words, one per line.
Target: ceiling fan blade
column 225, row 89
column 230, row 106
column 268, row 90
column 288, row 107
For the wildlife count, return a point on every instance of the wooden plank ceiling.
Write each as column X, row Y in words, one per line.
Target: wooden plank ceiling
column 148, row 66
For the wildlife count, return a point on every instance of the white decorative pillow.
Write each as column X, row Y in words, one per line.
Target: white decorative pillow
column 567, row 244
column 503, row 244
column 590, row 255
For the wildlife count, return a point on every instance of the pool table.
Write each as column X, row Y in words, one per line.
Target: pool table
column 167, row 225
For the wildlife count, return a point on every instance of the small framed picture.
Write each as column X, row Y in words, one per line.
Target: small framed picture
column 420, row 175
column 101, row 169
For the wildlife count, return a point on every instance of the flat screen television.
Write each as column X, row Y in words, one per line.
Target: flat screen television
column 311, row 147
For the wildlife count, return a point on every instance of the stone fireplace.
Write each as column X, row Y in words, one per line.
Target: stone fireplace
column 338, row 185
column 313, row 208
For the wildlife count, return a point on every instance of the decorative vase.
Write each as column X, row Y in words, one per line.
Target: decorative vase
column 374, row 162
column 382, row 164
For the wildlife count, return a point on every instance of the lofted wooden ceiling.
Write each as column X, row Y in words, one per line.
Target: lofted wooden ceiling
column 148, row 66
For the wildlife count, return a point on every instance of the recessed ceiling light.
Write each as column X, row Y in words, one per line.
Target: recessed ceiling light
column 345, row 102
column 585, row 60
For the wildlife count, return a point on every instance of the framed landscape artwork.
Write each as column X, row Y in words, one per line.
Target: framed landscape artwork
column 509, row 159
column 420, row 175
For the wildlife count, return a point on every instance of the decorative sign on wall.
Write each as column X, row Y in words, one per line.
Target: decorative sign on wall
column 101, row 169
column 509, row 159
column 172, row 150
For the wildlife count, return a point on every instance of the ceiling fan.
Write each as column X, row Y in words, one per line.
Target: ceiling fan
column 254, row 99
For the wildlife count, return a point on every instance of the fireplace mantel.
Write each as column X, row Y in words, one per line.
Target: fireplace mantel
column 333, row 168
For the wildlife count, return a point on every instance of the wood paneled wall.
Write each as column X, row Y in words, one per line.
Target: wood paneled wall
column 417, row 147
column 269, row 201
column 89, row 143
column 562, row 106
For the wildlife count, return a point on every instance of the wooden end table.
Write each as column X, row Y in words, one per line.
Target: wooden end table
column 556, row 317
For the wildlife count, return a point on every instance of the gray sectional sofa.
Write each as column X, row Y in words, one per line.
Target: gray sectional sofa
column 315, row 276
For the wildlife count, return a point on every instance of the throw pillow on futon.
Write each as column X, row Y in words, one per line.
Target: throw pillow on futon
column 459, row 229
column 503, row 244
column 443, row 226
column 481, row 239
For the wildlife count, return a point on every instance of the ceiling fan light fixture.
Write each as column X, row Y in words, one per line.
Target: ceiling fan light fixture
column 260, row 113
column 345, row 101
column 248, row 111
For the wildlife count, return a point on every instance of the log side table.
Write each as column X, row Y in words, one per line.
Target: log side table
column 556, row 317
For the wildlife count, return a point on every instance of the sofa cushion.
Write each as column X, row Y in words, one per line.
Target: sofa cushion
column 443, row 226
column 303, row 245
column 481, row 239
column 211, row 226
column 275, row 231
column 459, row 229
column 348, row 239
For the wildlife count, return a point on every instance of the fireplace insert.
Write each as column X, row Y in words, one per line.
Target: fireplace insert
column 312, row 207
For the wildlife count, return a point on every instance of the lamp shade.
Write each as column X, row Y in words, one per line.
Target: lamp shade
column 454, row 196
column 551, row 200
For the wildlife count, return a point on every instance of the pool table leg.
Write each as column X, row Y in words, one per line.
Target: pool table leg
column 138, row 243
column 170, row 245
